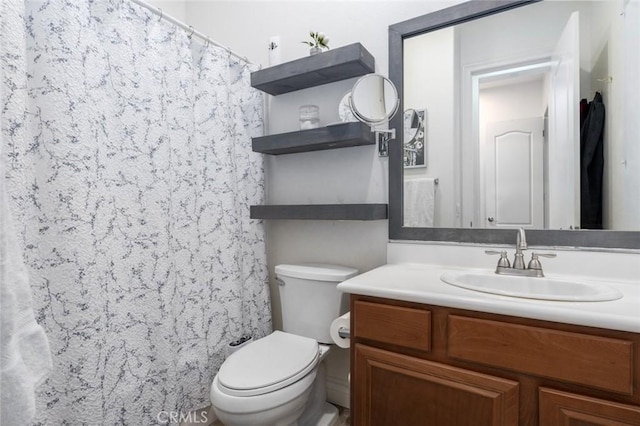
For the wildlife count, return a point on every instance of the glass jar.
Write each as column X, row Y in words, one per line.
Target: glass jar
column 309, row 117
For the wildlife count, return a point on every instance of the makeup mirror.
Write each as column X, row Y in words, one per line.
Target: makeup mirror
column 374, row 99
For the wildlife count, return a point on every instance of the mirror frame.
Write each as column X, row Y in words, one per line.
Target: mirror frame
column 453, row 15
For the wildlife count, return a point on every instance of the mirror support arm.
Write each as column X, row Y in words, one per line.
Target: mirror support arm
column 382, row 138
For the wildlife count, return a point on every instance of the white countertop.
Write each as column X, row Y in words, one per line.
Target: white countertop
column 421, row 283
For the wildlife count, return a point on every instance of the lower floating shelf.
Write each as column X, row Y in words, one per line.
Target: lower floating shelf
column 321, row 212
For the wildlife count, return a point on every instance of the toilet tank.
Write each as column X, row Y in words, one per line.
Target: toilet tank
column 309, row 298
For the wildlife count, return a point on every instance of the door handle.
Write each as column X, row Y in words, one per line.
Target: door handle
column 490, row 219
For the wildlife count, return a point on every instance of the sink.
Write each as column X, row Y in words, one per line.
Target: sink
column 531, row 287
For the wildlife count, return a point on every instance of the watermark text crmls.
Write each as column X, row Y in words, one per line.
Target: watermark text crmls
column 197, row 417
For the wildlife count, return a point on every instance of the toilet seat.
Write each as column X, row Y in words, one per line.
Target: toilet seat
column 268, row 364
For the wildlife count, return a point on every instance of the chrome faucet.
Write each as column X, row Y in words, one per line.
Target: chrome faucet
column 533, row 269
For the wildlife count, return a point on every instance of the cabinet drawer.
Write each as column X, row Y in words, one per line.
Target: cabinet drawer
column 571, row 357
column 396, row 325
column 562, row 408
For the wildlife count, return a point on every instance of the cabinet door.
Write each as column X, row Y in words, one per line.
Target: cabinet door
column 566, row 409
column 394, row 389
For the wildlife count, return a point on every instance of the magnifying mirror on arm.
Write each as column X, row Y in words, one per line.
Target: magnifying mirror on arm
column 374, row 101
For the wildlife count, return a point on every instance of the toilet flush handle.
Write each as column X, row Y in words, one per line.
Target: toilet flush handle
column 279, row 282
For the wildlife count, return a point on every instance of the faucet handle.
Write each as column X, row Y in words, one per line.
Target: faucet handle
column 544, row 254
column 534, row 263
column 495, row 251
column 504, row 260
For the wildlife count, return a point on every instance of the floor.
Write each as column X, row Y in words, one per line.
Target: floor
column 344, row 418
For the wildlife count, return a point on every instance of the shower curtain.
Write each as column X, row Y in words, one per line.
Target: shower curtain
column 130, row 175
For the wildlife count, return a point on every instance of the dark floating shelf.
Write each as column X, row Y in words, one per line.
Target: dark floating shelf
column 335, row 65
column 321, row 212
column 338, row 64
column 330, row 137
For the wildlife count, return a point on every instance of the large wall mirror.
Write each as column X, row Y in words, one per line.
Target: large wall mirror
column 528, row 119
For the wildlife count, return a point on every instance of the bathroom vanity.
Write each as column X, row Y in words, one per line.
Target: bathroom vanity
column 427, row 353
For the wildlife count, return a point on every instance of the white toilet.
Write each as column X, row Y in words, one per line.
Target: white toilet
column 279, row 380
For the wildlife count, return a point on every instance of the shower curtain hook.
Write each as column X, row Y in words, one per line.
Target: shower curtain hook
column 192, row 31
column 208, row 41
column 161, row 14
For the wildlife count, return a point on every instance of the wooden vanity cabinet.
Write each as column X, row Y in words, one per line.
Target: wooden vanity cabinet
column 414, row 364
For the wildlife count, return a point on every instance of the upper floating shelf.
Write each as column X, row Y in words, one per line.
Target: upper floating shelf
column 338, row 64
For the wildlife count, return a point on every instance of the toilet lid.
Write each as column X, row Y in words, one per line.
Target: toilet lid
column 268, row 364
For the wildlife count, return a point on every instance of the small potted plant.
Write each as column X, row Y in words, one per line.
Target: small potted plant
column 319, row 41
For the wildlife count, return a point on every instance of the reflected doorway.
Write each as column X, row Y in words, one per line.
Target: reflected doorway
column 509, row 105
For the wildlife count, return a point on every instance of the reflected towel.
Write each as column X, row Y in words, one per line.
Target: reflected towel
column 419, row 202
column 25, row 359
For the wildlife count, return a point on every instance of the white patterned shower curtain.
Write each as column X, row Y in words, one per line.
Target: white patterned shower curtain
column 130, row 173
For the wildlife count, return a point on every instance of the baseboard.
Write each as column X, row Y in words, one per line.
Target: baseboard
column 338, row 391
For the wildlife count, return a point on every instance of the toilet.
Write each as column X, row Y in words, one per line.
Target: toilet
column 279, row 380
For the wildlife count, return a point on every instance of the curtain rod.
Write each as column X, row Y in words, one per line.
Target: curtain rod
column 192, row 31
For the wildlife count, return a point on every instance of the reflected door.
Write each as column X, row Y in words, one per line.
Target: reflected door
column 512, row 193
column 564, row 129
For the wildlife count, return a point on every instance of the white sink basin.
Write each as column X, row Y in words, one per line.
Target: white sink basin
column 532, row 288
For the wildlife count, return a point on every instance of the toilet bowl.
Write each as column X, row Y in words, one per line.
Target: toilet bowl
column 267, row 382
column 279, row 380
column 281, row 409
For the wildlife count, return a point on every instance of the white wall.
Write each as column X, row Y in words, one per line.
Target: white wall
column 174, row 8
column 511, row 102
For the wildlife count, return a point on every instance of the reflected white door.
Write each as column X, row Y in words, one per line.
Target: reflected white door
column 513, row 174
column 564, row 130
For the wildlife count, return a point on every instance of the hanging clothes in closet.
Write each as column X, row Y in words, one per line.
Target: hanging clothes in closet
column 592, row 117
